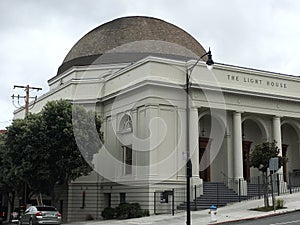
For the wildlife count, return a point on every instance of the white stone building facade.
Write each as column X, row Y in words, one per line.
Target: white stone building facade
column 138, row 87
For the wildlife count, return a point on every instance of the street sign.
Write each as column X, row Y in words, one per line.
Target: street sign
column 273, row 164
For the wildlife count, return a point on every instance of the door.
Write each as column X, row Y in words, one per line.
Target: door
column 284, row 153
column 246, row 163
column 204, row 159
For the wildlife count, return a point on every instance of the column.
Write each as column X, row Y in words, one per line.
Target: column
column 194, row 143
column 277, row 132
column 154, row 139
column 229, row 145
column 277, row 138
column 237, row 146
column 136, row 150
column 298, row 148
column 298, row 142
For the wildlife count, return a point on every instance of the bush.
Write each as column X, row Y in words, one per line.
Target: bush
column 279, row 203
column 146, row 212
column 135, row 210
column 127, row 210
column 108, row 213
column 124, row 211
column 89, row 217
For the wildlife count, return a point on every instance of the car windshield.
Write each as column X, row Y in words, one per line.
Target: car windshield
column 45, row 208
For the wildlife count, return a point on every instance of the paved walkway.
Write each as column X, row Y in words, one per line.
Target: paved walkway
column 233, row 212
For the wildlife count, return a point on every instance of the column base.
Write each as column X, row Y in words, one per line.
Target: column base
column 198, row 182
column 279, row 185
column 239, row 186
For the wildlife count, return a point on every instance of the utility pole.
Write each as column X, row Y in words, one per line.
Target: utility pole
column 27, row 96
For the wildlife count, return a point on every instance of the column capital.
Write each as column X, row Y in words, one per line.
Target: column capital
column 227, row 133
column 193, row 108
column 134, row 110
column 239, row 111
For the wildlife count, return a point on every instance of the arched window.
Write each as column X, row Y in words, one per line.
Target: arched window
column 126, row 124
column 125, row 131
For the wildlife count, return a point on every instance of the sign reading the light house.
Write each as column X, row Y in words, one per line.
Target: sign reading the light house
column 256, row 81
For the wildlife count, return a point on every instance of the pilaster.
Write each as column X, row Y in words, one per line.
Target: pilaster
column 194, row 143
column 277, row 132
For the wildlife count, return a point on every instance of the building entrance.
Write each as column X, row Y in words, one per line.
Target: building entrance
column 284, row 154
column 204, row 159
column 246, row 163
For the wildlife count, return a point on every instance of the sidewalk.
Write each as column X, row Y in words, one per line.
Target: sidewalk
column 233, row 212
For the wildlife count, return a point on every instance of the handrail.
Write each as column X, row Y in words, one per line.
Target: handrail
column 223, row 174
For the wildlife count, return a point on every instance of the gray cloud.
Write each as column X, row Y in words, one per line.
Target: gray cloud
column 35, row 35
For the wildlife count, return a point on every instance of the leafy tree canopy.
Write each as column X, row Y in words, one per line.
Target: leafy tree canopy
column 46, row 149
column 262, row 153
column 25, row 152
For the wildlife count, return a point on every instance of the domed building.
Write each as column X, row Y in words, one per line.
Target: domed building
column 134, row 36
column 133, row 71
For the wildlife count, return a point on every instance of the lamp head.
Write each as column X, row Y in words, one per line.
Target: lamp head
column 209, row 61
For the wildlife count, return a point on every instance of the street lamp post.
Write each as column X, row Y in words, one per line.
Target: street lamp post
column 189, row 172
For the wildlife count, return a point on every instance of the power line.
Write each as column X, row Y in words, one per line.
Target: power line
column 26, row 97
column 7, row 121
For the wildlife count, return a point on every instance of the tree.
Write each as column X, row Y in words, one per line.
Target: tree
column 10, row 185
column 260, row 157
column 45, row 149
column 26, row 155
column 67, row 128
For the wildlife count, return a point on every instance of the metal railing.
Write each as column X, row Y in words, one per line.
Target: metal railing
column 171, row 201
column 174, row 200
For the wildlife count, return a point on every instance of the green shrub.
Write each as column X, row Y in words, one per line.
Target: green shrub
column 108, row 213
column 123, row 211
column 89, row 217
column 146, row 212
column 127, row 210
column 135, row 210
column 279, row 203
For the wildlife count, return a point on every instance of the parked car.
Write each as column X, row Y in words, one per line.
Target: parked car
column 15, row 215
column 36, row 215
column 2, row 215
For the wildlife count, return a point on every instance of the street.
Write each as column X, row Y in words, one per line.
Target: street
column 292, row 218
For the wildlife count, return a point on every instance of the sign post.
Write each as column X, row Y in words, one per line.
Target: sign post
column 273, row 167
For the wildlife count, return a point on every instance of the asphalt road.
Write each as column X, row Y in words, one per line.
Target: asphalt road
column 292, row 218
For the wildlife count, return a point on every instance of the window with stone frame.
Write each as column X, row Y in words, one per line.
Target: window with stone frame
column 122, row 198
column 107, row 200
column 127, row 159
column 126, row 124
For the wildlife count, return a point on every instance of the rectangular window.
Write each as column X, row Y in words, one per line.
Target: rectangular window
column 122, row 198
column 127, row 159
column 107, row 200
column 83, row 200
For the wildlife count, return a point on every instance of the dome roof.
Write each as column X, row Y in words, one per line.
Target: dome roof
column 117, row 40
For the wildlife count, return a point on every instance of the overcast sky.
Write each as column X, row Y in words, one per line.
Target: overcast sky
column 36, row 35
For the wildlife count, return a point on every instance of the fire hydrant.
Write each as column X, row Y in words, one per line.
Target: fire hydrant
column 213, row 213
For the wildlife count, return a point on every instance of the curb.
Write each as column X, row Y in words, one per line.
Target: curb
column 256, row 217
